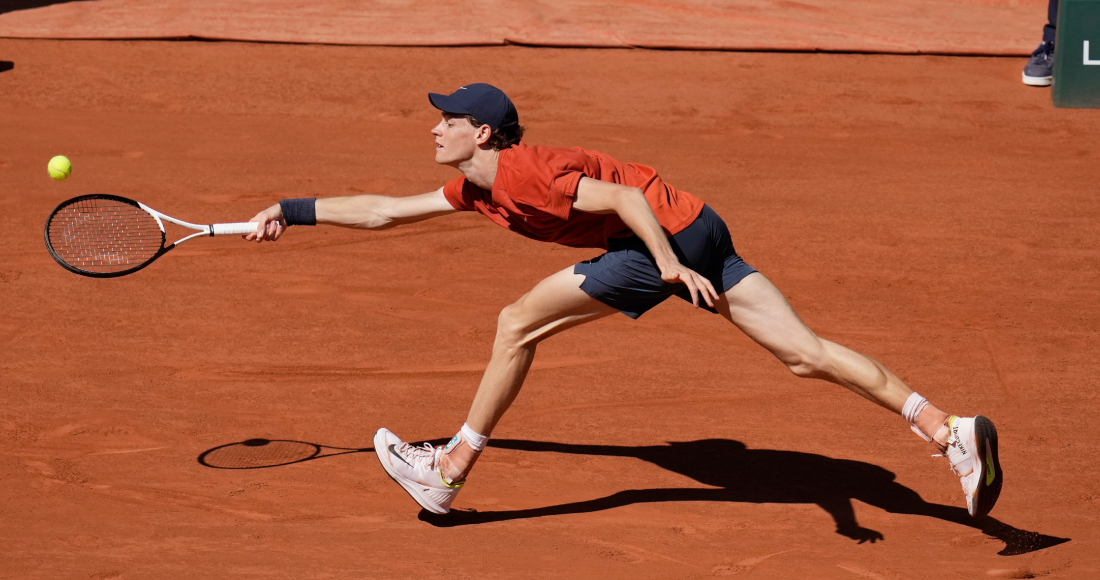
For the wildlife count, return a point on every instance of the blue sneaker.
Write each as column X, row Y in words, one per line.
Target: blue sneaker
column 1039, row 71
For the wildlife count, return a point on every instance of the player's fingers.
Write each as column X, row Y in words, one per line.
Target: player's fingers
column 279, row 229
column 256, row 234
column 708, row 290
column 691, row 288
column 261, row 219
column 261, row 231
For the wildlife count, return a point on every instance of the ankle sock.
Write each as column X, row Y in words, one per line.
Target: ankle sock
column 475, row 440
column 465, row 446
column 913, row 406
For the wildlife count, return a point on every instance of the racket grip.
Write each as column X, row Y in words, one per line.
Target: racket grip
column 235, row 229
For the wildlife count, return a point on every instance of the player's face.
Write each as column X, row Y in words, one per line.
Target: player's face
column 455, row 140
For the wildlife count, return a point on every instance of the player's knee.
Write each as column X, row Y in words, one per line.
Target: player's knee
column 511, row 330
column 807, row 363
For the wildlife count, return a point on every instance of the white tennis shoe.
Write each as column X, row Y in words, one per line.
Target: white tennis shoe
column 972, row 451
column 417, row 470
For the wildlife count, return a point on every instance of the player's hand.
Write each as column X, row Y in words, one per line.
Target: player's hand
column 272, row 225
column 696, row 284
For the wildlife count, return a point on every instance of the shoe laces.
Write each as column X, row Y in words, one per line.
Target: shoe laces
column 1044, row 51
column 423, row 457
column 957, row 460
column 950, row 444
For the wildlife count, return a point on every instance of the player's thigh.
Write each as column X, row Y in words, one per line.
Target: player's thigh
column 554, row 304
column 761, row 311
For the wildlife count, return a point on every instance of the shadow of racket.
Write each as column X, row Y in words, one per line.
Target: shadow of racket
column 262, row 453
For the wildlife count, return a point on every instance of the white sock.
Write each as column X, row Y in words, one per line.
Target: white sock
column 475, row 440
column 913, row 406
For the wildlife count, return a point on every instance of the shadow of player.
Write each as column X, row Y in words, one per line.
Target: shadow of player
column 14, row 5
column 747, row 475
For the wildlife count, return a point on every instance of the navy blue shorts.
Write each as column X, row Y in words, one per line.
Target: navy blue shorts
column 627, row 279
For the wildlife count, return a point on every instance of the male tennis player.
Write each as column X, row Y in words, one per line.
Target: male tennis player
column 660, row 242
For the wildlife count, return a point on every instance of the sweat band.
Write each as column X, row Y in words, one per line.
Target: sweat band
column 300, row 211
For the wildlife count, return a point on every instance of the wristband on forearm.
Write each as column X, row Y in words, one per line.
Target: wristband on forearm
column 299, row 212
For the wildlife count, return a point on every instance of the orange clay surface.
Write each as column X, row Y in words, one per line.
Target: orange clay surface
column 987, row 27
column 929, row 211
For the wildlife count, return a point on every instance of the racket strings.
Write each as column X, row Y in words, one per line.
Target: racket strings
column 104, row 235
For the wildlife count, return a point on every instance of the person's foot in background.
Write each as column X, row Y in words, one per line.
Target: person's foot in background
column 1039, row 71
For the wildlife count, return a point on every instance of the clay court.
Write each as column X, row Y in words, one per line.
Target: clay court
column 211, row 416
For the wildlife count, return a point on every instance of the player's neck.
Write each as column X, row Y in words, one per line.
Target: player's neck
column 481, row 169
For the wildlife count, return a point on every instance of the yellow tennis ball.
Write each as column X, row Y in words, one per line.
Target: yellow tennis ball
column 60, row 167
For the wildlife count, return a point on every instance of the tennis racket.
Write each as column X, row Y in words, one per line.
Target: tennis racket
column 104, row 236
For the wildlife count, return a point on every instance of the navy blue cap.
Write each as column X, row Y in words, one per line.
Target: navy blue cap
column 483, row 102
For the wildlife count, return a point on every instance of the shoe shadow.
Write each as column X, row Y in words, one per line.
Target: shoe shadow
column 743, row 475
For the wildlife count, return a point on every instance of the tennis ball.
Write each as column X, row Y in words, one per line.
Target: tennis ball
column 59, row 167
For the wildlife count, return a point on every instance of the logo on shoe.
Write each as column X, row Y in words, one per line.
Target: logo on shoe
column 955, row 436
column 990, row 473
column 398, row 455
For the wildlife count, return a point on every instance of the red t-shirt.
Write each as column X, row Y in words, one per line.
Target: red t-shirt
column 535, row 186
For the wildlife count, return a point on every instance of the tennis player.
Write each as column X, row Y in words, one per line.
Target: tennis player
column 659, row 242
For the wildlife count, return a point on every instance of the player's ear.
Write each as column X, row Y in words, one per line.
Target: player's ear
column 482, row 134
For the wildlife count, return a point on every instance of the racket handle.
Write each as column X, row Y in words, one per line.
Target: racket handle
column 234, row 229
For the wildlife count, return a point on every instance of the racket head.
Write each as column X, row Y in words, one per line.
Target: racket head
column 259, row 453
column 103, row 236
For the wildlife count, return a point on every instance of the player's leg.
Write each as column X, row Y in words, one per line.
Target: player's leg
column 555, row 304
column 758, row 308
column 763, row 313
column 432, row 476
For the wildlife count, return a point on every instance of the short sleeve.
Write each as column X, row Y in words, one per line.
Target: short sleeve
column 566, row 172
column 565, row 184
column 456, row 192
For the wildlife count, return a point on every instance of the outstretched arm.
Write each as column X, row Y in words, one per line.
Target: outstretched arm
column 371, row 212
column 595, row 196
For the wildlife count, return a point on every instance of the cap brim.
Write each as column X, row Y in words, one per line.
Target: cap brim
column 446, row 104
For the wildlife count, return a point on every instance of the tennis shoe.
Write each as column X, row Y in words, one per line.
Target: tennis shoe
column 416, row 469
column 972, row 450
column 1039, row 70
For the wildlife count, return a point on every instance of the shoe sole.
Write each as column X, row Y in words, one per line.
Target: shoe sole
column 989, row 488
column 1038, row 81
column 411, row 487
